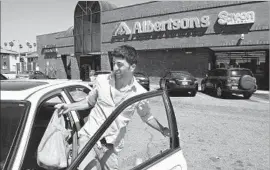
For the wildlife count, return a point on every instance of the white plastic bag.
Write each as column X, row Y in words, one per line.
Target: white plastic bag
column 53, row 148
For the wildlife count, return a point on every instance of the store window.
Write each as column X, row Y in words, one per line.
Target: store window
column 254, row 61
column 87, row 27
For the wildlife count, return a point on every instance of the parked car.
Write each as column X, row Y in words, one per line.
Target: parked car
column 179, row 81
column 225, row 81
column 143, row 80
column 32, row 75
column 27, row 107
column 2, row 77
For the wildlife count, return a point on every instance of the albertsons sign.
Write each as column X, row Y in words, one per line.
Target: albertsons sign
column 158, row 26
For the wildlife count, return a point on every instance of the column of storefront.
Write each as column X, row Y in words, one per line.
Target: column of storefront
column 105, row 61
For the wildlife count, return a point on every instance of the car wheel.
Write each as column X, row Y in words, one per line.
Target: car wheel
column 203, row 88
column 247, row 95
column 227, row 94
column 193, row 93
column 247, row 82
column 218, row 92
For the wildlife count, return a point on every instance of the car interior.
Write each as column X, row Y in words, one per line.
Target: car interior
column 42, row 119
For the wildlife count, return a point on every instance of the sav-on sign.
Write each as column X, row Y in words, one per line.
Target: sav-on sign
column 225, row 18
column 170, row 24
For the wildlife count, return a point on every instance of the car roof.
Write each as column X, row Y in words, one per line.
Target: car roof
column 21, row 89
column 179, row 71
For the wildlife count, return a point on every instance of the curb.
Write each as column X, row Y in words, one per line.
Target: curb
column 262, row 92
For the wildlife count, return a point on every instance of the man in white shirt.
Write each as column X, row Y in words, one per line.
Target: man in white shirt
column 109, row 92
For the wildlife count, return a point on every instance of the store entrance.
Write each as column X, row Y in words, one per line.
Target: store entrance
column 88, row 63
column 256, row 61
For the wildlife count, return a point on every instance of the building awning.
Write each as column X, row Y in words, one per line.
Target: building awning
column 32, row 55
column 240, row 48
column 93, row 54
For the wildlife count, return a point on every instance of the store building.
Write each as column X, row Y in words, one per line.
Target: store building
column 32, row 61
column 173, row 35
column 10, row 61
column 56, row 53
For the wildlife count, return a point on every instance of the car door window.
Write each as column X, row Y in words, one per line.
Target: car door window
column 76, row 94
column 137, row 144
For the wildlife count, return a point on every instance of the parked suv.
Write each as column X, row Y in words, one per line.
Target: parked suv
column 225, row 81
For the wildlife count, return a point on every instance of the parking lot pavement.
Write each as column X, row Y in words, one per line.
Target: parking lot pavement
column 223, row 133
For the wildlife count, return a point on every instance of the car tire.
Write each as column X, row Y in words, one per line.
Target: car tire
column 227, row 94
column 219, row 92
column 247, row 82
column 247, row 95
column 203, row 88
column 193, row 93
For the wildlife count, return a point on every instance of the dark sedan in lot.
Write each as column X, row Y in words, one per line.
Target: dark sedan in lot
column 143, row 80
column 179, row 81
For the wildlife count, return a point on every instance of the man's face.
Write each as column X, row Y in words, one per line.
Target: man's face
column 122, row 68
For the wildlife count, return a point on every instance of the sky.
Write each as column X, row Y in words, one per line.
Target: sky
column 23, row 20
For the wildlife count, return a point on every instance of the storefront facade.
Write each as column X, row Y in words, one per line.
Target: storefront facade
column 190, row 35
column 174, row 35
column 56, row 54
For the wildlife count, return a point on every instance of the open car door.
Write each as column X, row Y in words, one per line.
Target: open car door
column 145, row 148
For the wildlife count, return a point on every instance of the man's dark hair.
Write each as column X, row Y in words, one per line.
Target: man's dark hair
column 126, row 52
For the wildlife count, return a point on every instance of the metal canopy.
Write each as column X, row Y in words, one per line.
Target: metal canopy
column 240, row 48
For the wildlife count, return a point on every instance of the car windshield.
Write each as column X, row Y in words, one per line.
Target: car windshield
column 181, row 74
column 11, row 116
column 239, row 73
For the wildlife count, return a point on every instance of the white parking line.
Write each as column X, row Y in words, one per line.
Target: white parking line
column 256, row 99
column 201, row 95
column 259, row 100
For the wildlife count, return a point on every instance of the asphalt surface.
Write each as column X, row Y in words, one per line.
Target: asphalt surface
column 215, row 133
column 224, row 133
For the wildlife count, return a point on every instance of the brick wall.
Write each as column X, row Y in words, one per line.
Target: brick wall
column 155, row 63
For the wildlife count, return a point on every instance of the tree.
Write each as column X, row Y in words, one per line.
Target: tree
column 5, row 44
column 30, row 46
column 11, row 44
column 28, row 43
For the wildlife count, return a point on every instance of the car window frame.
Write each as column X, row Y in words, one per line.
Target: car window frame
column 71, row 100
column 174, row 139
column 18, row 135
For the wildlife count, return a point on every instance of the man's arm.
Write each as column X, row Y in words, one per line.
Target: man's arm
column 143, row 110
column 156, row 125
column 84, row 104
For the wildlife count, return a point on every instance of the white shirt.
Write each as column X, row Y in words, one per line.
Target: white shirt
column 105, row 98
